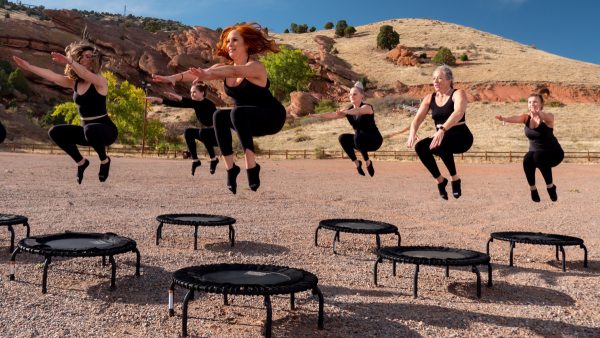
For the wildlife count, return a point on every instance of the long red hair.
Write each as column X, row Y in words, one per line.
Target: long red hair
column 254, row 37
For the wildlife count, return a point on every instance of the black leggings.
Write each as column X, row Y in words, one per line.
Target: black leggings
column 248, row 121
column 544, row 160
column 97, row 133
column 362, row 141
column 204, row 135
column 2, row 133
column 457, row 140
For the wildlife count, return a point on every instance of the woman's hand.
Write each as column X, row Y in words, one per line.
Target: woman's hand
column 61, row 59
column 412, row 139
column 163, row 79
column 437, row 139
column 500, row 118
column 22, row 63
column 340, row 113
column 199, row 73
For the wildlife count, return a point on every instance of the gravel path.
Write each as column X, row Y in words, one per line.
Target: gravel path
column 276, row 226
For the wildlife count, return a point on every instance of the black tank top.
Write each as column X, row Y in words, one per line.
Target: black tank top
column 441, row 114
column 541, row 138
column 91, row 103
column 365, row 123
column 249, row 94
column 204, row 109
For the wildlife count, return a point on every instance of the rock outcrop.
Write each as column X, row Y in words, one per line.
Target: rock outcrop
column 402, row 56
column 301, row 104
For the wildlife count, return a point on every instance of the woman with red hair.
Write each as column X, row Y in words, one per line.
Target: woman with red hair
column 256, row 112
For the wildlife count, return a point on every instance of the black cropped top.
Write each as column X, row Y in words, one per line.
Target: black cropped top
column 541, row 138
column 204, row 109
column 441, row 114
column 91, row 103
column 249, row 94
column 365, row 123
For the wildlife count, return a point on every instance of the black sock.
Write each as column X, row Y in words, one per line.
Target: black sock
column 104, row 169
column 442, row 189
column 232, row 177
column 370, row 169
column 253, row 177
column 80, row 170
column 552, row 193
column 213, row 165
column 360, row 169
column 195, row 164
column 535, row 196
column 456, row 192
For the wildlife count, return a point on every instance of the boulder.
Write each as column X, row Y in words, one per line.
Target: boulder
column 402, row 56
column 301, row 104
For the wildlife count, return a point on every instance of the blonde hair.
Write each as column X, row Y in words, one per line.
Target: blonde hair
column 75, row 51
column 359, row 86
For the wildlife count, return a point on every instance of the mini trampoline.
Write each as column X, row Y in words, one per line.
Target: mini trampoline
column 436, row 256
column 356, row 226
column 244, row 279
column 10, row 220
column 538, row 238
column 196, row 220
column 77, row 244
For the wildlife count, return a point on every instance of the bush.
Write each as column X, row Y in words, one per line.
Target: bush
column 444, row 56
column 18, row 81
column 325, row 106
column 320, row 153
column 298, row 29
column 286, row 31
column 464, row 57
column 349, row 31
column 334, row 51
column 288, row 71
column 328, row 25
column 387, row 37
column 312, row 29
column 423, row 55
column 340, row 26
column 555, row 104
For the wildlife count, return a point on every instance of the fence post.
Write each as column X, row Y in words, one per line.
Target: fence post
column 304, row 157
column 286, row 154
column 486, row 157
column 510, row 156
column 589, row 159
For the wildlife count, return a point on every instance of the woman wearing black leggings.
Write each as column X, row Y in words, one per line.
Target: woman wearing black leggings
column 82, row 64
column 204, row 109
column 366, row 136
column 256, row 112
column 452, row 136
column 2, row 133
column 544, row 150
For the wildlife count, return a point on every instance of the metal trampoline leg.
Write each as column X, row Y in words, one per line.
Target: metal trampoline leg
column 292, row 301
column 447, row 271
column 231, row 235
column 103, row 260
column 512, row 247
column 47, row 262
column 317, row 235
column 225, row 299
column 159, row 232
column 585, row 261
column 184, row 312
column 394, row 268
column 26, row 224
column 317, row 291
column 490, row 283
column 476, row 271
column 557, row 253
column 113, row 271
column 336, row 238
column 399, row 238
column 138, row 259
column 196, row 237
column 269, row 316
column 379, row 259
column 416, row 281
column 487, row 246
column 12, row 238
column 378, row 241
column 171, row 296
column 13, row 264
column 564, row 263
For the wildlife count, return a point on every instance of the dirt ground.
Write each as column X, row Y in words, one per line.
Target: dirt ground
column 276, row 226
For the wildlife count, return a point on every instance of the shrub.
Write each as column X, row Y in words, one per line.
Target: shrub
column 328, row 25
column 320, row 153
column 387, row 37
column 349, row 31
column 334, row 51
column 340, row 26
column 18, row 81
column 555, row 104
column 302, row 138
column 444, row 56
column 325, row 106
column 312, row 29
column 288, row 71
column 286, row 31
column 423, row 55
column 464, row 57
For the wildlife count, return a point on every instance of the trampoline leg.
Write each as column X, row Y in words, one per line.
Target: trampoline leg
column 12, row 238
column 103, row 260
column 564, row 263
column 231, row 235
column 196, row 237
column 378, row 241
column 317, row 235
column 138, row 259
column 292, row 301
column 317, row 291
column 557, row 253
column 26, row 224
column 447, row 271
column 399, row 238
column 476, row 271
column 487, row 246
column 394, row 268
column 13, row 264
column 379, row 259
column 336, row 238
column 269, row 316
column 184, row 312
column 171, row 296
column 512, row 247
column 416, row 281
column 45, row 275
column 490, row 283
column 225, row 299
column 159, row 232
column 585, row 262
column 113, row 271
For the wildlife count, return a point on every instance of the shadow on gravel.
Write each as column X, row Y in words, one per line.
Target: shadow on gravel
column 249, row 248
column 505, row 293
column 554, row 271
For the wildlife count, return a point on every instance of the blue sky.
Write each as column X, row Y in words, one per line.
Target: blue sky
column 566, row 28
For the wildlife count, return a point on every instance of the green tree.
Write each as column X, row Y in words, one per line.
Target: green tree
column 288, row 71
column 312, row 29
column 286, row 31
column 444, row 56
column 387, row 37
column 340, row 26
column 349, row 31
column 66, row 112
column 18, row 81
column 328, row 25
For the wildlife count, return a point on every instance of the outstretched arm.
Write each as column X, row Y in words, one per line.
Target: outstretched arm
column 47, row 74
column 512, row 119
column 253, row 70
column 97, row 80
column 364, row 110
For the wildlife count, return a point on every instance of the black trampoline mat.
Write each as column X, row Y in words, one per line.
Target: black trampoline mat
column 75, row 242
column 8, row 218
column 199, row 219
column 78, row 243
column 195, row 219
column 537, row 238
column 361, row 225
column 244, row 277
column 358, row 226
column 435, row 254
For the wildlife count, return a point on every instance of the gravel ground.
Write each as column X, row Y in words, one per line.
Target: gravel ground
column 276, row 226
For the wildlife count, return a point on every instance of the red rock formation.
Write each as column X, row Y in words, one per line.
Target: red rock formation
column 301, row 104
column 402, row 56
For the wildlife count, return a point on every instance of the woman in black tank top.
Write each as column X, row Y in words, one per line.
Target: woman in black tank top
column 366, row 135
column 544, row 150
column 256, row 112
column 2, row 133
column 452, row 136
column 82, row 65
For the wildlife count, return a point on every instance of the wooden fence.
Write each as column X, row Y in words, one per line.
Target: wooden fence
column 398, row 155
